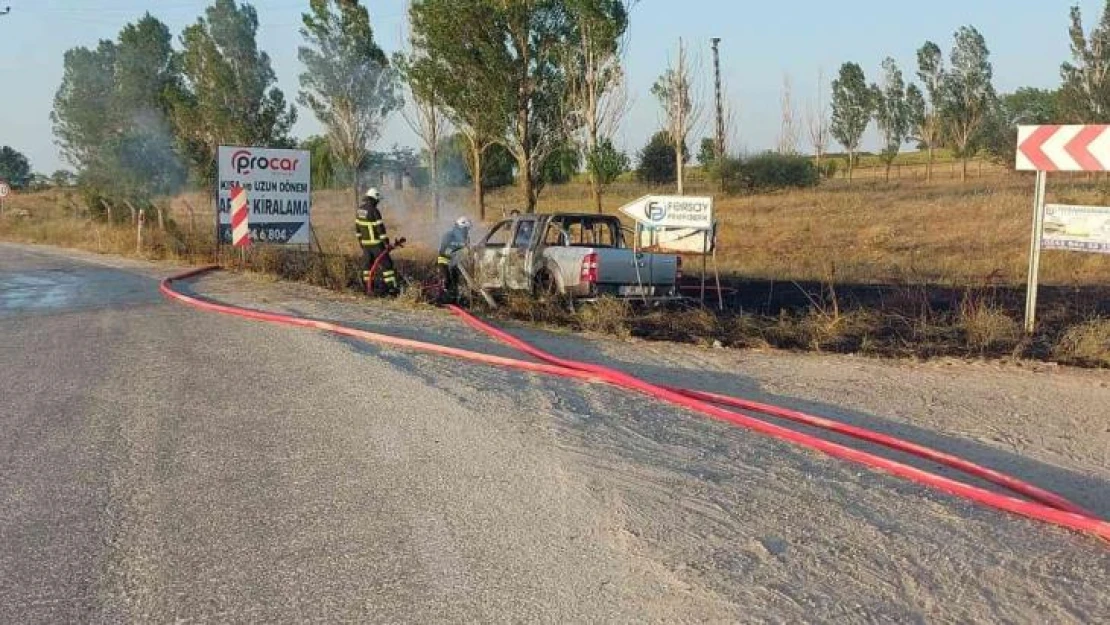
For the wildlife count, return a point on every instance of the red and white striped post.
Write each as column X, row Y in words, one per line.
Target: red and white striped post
column 1055, row 148
column 240, row 221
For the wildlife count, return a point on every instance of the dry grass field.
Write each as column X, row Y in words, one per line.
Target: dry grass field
column 899, row 268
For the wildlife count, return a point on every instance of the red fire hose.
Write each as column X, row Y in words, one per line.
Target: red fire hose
column 1046, row 506
column 970, row 468
column 386, row 250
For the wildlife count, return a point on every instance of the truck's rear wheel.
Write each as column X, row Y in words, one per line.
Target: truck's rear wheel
column 546, row 289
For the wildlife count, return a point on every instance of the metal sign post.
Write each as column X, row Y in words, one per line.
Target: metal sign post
column 1035, row 253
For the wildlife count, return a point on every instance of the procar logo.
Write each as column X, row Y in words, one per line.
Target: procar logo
column 244, row 163
column 655, row 211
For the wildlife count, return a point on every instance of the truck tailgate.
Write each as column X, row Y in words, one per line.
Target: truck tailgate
column 664, row 269
column 619, row 266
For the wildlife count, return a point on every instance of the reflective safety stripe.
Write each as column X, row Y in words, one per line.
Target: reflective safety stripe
column 372, row 237
column 444, row 260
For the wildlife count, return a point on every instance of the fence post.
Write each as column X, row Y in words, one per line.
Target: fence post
column 139, row 232
column 107, row 208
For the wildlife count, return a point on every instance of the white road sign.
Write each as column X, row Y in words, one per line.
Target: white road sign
column 1076, row 228
column 4, row 189
column 678, row 240
column 279, row 186
column 672, row 211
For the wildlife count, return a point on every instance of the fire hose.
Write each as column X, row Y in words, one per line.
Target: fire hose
column 1042, row 505
column 386, row 251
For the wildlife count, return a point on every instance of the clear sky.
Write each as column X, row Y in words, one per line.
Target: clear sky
column 761, row 42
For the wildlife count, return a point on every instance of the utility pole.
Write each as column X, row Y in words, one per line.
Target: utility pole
column 720, row 143
column 5, row 11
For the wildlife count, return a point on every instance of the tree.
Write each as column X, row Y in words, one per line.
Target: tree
column 595, row 79
column 455, row 165
column 852, row 104
column 606, row 163
column 1085, row 95
column 561, row 166
column 926, row 123
column 348, row 83
column 427, row 121
column 1027, row 105
column 229, row 96
column 788, row 130
column 707, row 152
column 533, row 34
column 658, row 161
column 458, row 51
column 63, row 178
column 323, row 164
column 968, row 93
column 892, row 113
column 110, row 113
column 817, row 123
column 14, row 168
column 426, row 117
column 680, row 112
column 84, row 115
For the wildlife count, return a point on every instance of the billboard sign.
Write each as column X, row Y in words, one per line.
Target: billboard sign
column 278, row 184
column 1076, row 228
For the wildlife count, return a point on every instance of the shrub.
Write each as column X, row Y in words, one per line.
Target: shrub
column 657, row 160
column 1086, row 344
column 765, row 172
column 779, row 171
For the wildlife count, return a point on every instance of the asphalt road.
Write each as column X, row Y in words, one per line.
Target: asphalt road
column 163, row 464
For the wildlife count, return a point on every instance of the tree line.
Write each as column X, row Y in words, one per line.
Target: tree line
column 536, row 83
column 956, row 106
column 529, row 91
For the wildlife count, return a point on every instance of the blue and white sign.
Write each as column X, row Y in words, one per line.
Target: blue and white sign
column 672, row 211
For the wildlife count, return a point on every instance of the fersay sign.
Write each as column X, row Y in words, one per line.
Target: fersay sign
column 278, row 187
column 672, row 211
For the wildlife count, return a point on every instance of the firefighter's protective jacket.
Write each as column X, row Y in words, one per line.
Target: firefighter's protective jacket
column 369, row 225
column 453, row 241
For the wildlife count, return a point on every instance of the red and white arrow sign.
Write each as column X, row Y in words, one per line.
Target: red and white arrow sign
column 1063, row 148
column 240, row 228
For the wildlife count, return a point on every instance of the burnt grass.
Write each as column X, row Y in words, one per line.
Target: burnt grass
column 886, row 320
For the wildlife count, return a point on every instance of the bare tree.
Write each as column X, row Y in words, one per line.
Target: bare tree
column 424, row 114
column 596, row 93
column 681, row 112
column 428, row 122
column 788, row 133
column 817, row 122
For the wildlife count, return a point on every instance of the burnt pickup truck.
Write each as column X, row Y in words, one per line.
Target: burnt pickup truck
column 579, row 256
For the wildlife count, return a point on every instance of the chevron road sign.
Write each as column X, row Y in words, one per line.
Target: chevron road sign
column 1045, row 149
column 1063, row 148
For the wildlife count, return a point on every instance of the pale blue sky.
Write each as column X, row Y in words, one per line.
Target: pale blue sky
column 761, row 41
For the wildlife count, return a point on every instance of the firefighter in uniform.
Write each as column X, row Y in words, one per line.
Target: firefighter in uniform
column 371, row 237
column 456, row 239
